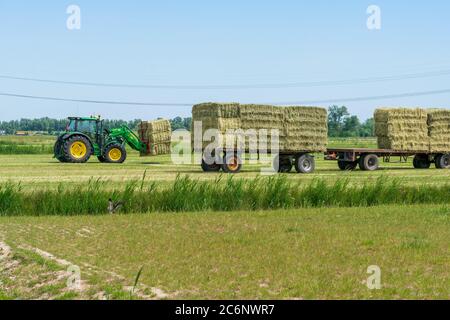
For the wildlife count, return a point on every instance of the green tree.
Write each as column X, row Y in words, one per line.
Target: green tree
column 351, row 127
column 367, row 128
column 336, row 118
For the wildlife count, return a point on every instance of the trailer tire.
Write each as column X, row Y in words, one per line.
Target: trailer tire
column 421, row 162
column 305, row 163
column 347, row 165
column 210, row 167
column 232, row 163
column 282, row 164
column 442, row 161
column 369, row 162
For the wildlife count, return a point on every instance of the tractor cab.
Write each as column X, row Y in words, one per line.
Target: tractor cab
column 90, row 126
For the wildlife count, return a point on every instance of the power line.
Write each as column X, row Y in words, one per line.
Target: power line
column 169, row 104
column 368, row 98
column 241, row 86
column 150, row 104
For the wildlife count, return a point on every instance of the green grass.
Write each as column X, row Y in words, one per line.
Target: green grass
column 43, row 172
column 187, row 194
column 310, row 253
column 313, row 246
column 10, row 145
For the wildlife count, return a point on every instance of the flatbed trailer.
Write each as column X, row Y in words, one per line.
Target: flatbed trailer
column 230, row 161
column 369, row 159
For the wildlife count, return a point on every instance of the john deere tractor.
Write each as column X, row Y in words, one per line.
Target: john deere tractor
column 85, row 137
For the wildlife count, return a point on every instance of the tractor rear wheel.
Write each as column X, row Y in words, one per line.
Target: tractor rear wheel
column 115, row 153
column 77, row 149
column 58, row 152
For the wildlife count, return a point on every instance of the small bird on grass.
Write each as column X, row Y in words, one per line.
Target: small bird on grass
column 113, row 207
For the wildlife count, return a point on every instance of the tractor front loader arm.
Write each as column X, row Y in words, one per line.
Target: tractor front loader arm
column 127, row 135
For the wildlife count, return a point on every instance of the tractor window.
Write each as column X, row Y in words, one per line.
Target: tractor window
column 86, row 126
column 71, row 126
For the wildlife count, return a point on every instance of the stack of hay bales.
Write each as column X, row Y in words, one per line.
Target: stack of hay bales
column 263, row 117
column 299, row 128
column 306, row 128
column 157, row 135
column 221, row 117
column 439, row 130
column 402, row 129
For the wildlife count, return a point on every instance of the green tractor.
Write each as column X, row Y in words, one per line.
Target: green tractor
column 85, row 137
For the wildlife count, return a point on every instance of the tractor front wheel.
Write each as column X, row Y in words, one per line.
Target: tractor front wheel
column 77, row 149
column 115, row 153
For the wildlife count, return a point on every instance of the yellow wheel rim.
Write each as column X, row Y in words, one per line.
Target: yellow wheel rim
column 78, row 150
column 115, row 154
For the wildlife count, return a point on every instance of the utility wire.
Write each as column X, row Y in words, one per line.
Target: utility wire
column 169, row 104
column 241, row 86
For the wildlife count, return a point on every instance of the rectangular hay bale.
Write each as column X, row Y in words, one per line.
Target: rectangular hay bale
column 439, row 130
column 157, row 135
column 403, row 129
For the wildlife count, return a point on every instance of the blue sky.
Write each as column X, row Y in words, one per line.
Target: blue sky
column 218, row 43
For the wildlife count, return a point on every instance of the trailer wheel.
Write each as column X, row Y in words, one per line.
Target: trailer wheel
column 210, row 167
column 282, row 164
column 347, row 165
column 421, row 162
column 369, row 162
column 442, row 161
column 305, row 163
column 232, row 163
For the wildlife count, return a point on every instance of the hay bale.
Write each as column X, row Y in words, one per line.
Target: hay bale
column 221, row 117
column 300, row 128
column 306, row 128
column 157, row 135
column 439, row 130
column 402, row 129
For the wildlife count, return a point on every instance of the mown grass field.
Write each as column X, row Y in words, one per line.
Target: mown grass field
column 298, row 254
column 305, row 253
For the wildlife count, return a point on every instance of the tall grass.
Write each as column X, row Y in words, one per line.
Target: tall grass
column 223, row 194
column 12, row 147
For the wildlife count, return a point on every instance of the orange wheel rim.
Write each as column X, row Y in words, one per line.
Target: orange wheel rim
column 234, row 164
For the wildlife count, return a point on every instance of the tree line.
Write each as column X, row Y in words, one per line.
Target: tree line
column 54, row 126
column 340, row 124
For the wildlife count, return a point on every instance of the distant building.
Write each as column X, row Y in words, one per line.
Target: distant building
column 2, row 132
column 22, row 133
